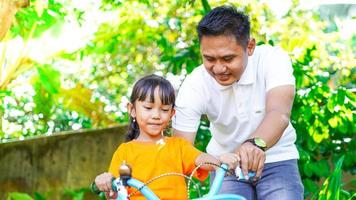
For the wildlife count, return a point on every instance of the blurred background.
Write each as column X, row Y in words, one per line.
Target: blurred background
column 69, row 65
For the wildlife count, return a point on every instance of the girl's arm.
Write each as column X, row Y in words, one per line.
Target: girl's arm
column 230, row 159
column 207, row 158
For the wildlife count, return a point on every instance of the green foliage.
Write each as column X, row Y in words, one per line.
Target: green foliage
column 41, row 15
column 77, row 194
column 332, row 185
column 323, row 117
column 46, row 84
column 38, row 196
column 19, row 196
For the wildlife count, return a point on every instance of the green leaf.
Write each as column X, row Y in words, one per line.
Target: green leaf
column 49, row 78
column 321, row 168
column 46, row 84
column 333, row 122
column 341, row 96
column 77, row 194
column 304, row 155
column 307, row 113
column 206, row 6
column 38, row 196
column 343, row 127
column 331, row 105
column 308, row 169
column 310, row 185
column 332, row 185
column 4, row 93
column 19, row 196
column 39, row 16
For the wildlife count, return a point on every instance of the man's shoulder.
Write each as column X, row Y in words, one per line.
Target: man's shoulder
column 266, row 50
column 198, row 79
column 265, row 55
column 197, row 73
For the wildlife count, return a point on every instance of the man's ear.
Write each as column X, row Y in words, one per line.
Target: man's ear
column 251, row 46
column 173, row 112
column 131, row 110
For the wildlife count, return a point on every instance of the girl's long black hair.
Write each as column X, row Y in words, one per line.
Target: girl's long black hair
column 144, row 88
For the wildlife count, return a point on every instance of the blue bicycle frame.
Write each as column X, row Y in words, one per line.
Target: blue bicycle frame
column 212, row 195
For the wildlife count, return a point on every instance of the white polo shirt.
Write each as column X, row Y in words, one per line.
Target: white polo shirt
column 235, row 111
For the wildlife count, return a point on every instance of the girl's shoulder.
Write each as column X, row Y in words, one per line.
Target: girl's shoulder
column 177, row 140
column 123, row 145
column 130, row 143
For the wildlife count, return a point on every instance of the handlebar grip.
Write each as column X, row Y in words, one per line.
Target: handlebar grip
column 239, row 174
column 94, row 188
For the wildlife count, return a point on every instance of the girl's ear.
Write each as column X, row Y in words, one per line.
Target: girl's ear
column 131, row 110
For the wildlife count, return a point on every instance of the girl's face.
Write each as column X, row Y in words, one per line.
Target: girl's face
column 152, row 117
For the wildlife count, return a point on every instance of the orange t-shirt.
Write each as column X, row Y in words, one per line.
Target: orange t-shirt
column 149, row 160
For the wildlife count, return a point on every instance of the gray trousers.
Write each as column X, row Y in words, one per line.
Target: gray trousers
column 279, row 181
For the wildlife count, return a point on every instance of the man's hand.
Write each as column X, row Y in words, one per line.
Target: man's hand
column 252, row 159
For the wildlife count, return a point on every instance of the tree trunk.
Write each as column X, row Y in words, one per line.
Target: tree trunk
column 8, row 9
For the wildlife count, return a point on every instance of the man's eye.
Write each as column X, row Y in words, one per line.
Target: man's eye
column 209, row 59
column 228, row 59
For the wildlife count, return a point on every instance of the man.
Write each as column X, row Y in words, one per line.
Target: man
column 247, row 93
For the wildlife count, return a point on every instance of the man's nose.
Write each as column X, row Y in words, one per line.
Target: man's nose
column 219, row 68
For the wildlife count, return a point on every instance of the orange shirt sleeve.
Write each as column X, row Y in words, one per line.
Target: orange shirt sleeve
column 117, row 159
column 189, row 155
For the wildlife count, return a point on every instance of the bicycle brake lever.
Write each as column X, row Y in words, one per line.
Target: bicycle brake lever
column 240, row 176
column 120, row 188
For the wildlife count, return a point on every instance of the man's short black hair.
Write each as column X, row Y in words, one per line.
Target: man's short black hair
column 225, row 20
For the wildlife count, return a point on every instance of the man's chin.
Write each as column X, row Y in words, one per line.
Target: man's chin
column 225, row 82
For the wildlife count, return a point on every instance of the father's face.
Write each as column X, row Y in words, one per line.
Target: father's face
column 224, row 58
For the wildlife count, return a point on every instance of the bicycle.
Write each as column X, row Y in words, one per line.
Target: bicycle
column 125, row 180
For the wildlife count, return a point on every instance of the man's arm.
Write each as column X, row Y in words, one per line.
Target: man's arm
column 190, row 136
column 279, row 103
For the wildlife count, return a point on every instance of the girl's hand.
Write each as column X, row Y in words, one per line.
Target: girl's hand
column 231, row 159
column 103, row 182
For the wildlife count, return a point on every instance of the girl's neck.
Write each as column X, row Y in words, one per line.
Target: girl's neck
column 142, row 138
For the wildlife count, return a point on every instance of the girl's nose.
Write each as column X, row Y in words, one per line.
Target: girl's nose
column 155, row 117
column 155, row 114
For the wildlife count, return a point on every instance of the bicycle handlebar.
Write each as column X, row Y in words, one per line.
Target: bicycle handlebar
column 213, row 193
column 130, row 182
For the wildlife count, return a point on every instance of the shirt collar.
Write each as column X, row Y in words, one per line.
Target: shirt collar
column 248, row 76
column 214, row 82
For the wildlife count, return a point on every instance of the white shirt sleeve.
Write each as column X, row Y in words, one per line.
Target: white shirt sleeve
column 278, row 69
column 189, row 106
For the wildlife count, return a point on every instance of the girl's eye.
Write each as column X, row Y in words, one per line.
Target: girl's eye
column 165, row 110
column 148, row 108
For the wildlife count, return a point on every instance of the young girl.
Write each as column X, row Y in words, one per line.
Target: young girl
column 151, row 154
